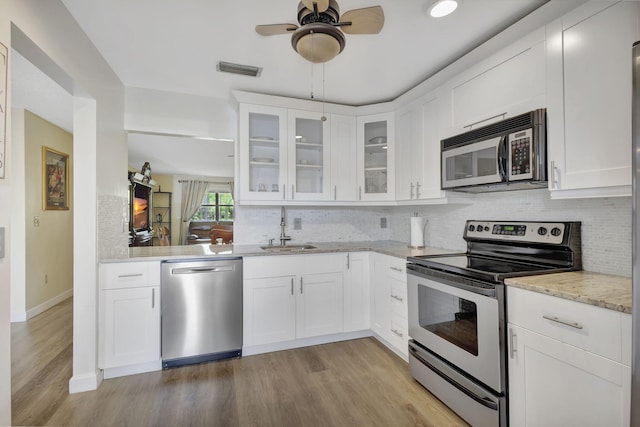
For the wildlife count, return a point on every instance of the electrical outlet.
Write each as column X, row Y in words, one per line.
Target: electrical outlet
column 36, row 221
column 297, row 223
column 46, row 279
column 383, row 222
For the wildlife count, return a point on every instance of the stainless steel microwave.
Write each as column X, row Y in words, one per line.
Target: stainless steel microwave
column 507, row 155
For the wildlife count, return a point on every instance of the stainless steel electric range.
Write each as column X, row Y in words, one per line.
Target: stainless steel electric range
column 457, row 310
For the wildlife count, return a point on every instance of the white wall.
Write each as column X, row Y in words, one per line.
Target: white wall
column 46, row 34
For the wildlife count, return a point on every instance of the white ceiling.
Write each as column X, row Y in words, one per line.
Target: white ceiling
column 174, row 46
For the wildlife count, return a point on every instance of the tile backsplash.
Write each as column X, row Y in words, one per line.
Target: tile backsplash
column 606, row 223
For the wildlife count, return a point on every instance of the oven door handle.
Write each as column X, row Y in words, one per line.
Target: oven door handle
column 452, row 280
column 467, row 387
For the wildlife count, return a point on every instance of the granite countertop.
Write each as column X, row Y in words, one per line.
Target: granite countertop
column 602, row 290
column 392, row 248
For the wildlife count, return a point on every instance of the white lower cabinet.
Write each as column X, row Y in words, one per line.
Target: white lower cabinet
column 556, row 377
column 292, row 297
column 357, row 294
column 389, row 305
column 129, row 324
column 269, row 310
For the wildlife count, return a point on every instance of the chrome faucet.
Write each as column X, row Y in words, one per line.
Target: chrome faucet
column 283, row 238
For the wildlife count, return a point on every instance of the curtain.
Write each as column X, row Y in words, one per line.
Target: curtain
column 192, row 194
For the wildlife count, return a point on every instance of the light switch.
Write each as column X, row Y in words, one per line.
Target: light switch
column 1, row 242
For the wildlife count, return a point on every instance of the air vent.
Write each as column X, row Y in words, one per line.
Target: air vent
column 245, row 70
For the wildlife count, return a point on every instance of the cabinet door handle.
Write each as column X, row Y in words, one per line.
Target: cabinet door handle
column 292, row 286
column 293, row 191
column 512, row 344
column 284, row 192
column 153, row 297
column 417, row 189
column 399, row 270
column 562, row 321
column 484, row 120
column 300, row 284
column 397, row 332
column 396, row 297
column 411, row 191
column 360, row 192
column 348, row 262
column 554, row 175
column 128, row 276
column 335, row 192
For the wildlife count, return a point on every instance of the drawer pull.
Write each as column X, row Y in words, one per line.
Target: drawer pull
column 564, row 322
column 128, row 276
column 397, row 332
column 399, row 270
column 396, row 297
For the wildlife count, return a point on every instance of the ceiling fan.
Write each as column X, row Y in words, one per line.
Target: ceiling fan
column 320, row 38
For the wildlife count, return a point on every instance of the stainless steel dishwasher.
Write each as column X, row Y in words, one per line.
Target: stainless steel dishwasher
column 201, row 311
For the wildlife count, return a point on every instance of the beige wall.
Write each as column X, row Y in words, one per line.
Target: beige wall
column 49, row 245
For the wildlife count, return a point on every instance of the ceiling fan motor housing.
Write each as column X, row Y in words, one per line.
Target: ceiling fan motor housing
column 329, row 16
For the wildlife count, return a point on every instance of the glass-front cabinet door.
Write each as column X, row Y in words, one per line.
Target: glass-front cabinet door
column 309, row 156
column 375, row 157
column 263, row 153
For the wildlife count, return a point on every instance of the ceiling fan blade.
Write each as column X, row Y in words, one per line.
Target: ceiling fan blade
column 322, row 4
column 275, row 29
column 363, row 21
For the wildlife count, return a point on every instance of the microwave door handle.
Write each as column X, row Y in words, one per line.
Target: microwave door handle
column 502, row 159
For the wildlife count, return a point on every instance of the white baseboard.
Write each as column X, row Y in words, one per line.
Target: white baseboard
column 23, row 316
column 85, row 382
column 140, row 368
column 305, row 342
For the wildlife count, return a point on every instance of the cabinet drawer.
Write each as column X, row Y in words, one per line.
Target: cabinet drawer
column 398, row 333
column 597, row 330
column 398, row 298
column 291, row 265
column 129, row 274
column 397, row 268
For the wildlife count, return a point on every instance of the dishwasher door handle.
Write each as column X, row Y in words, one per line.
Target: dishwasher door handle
column 198, row 270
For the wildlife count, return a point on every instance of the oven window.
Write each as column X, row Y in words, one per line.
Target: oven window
column 450, row 317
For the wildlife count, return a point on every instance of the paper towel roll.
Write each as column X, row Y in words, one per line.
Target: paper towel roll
column 417, row 231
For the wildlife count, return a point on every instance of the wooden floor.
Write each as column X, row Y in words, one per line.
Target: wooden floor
column 352, row 383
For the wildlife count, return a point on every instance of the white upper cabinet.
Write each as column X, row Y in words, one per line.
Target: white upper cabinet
column 589, row 106
column 309, row 156
column 506, row 84
column 418, row 152
column 344, row 176
column 376, row 172
column 263, row 153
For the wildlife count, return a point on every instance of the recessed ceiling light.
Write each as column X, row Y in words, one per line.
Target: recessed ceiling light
column 442, row 8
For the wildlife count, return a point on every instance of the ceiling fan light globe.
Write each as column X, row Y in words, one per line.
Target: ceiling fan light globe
column 318, row 47
column 442, row 8
column 318, row 42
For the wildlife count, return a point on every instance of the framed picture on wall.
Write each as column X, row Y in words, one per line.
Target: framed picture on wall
column 55, row 174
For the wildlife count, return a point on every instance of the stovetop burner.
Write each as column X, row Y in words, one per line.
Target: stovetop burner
column 498, row 250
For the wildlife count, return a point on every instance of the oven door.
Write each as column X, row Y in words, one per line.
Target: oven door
column 481, row 162
column 459, row 324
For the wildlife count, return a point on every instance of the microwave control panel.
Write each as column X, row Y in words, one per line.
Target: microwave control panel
column 520, row 154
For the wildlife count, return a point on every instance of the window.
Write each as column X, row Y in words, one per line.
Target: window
column 215, row 207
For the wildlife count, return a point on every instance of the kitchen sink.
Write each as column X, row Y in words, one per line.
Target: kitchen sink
column 289, row 248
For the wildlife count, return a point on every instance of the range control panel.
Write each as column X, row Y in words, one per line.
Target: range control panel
column 534, row 232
